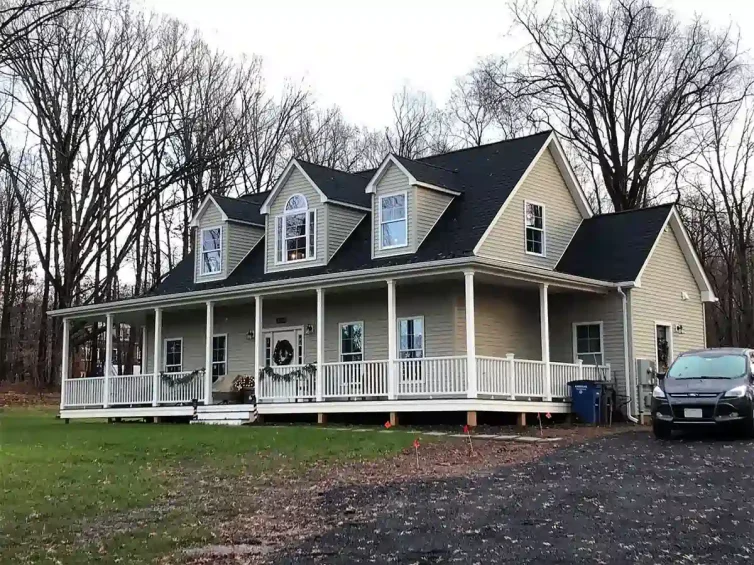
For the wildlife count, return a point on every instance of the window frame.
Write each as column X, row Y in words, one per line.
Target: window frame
column 310, row 232
column 165, row 354
column 601, row 352
column 340, row 341
column 225, row 359
column 382, row 197
column 398, row 336
column 543, row 230
column 202, row 273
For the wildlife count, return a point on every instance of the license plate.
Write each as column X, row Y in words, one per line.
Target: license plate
column 692, row 412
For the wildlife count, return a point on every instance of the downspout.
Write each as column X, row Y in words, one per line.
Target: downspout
column 626, row 360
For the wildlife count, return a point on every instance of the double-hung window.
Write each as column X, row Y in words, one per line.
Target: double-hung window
column 352, row 341
column 393, row 221
column 411, row 338
column 587, row 343
column 295, row 231
column 212, row 251
column 219, row 356
column 534, row 223
column 174, row 355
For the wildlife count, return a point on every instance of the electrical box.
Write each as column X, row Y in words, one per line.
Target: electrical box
column 646, row 379
column 646, row 371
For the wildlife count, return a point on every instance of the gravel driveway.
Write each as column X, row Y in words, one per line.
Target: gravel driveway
column 626, row 498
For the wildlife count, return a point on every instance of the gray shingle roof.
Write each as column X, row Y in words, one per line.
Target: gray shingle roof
column 339, row 185
column 431, row 174
column 614, row 247
column 486, row 176
column 240, row 209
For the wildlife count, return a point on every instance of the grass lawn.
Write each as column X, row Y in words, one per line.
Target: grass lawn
column 92, row 492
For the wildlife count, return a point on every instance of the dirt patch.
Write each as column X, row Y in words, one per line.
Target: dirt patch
column 290, row 509
column 24, row 394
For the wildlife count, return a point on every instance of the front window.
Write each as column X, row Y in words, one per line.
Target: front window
column 534, row 220
column 212, row 261
column 393, row 223
column 295, row 231
column 708, row 365
column 352, row 341
column 411, row 338
column 219, row 356
column 588, row 343
column 173, row 355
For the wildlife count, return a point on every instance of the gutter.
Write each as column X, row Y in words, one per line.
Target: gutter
column 626, row 357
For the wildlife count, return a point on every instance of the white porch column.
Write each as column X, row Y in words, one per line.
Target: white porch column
column 209, row 332
column 143, row 360
column 544, row 321
column 65, row 362
column 320, row 344
column 470, row 335
column 258, row 344
column 392, row 341
column 108, row 360
column 157, row 353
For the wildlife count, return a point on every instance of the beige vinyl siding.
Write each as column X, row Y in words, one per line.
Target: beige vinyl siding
column 568, row 308
column 430, row 205
column 340, row 223
column 241, row 239
column 296, row 184
column 393, row 181
column 211, row 218
column 660, row 300
column 543, row 185
column 235, row 321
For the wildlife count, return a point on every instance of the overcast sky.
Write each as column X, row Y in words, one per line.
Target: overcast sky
column 357, row 54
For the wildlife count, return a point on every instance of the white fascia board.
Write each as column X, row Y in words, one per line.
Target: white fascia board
column 207, row 201
column 435, row 187
column 292, row 164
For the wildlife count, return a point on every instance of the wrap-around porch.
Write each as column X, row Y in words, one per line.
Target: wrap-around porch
column 405, row 364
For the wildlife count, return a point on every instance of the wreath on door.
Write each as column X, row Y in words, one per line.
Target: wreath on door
column 283, row 353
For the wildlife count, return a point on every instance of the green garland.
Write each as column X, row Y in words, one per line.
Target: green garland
column 181, row 379
column 300, row 373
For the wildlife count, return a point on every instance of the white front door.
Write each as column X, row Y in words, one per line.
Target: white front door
column 283, row 347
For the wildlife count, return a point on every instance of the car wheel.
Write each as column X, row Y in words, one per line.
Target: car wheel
column 662, row 431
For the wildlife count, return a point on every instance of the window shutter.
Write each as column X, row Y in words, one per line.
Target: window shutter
column 312, row 233
column 279, row 239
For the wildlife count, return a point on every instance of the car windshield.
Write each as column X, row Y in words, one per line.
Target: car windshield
column 700, row 366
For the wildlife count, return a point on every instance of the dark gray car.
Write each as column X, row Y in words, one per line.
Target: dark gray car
column 712, row 387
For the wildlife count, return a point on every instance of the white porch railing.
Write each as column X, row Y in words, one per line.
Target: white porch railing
column 130, row 389
column 432, row 376
column 301, row 386
column 172, row 390
column 365, row 379
column 84, row 392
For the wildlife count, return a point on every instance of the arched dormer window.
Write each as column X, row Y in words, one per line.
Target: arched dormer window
column 295, row 231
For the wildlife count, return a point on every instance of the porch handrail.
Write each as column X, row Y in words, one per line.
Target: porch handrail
column 364, row 379
column 432, row 376
column 301, row 386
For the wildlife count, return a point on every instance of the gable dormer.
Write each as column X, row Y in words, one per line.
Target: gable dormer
column 408, row 197
column 309, row 213
column 226, row 230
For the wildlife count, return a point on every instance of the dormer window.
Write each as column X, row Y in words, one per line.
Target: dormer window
column 295, row 231
column 534, row 222
column 212, row 253
column 393, row 222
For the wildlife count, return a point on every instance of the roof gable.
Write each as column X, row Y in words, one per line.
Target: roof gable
column 292, row 165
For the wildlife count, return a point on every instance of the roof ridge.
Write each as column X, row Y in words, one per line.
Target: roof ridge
column 547, row 131
column 428, row 164
column 644, row 209
column 239, row 198
column 326, row 167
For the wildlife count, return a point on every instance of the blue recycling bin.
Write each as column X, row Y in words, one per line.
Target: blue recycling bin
column 586, row 398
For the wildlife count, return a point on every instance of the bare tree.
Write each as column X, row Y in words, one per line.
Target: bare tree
column 625, row 83
column 418, row 127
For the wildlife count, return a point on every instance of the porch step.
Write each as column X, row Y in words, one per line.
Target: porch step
column 225, row 415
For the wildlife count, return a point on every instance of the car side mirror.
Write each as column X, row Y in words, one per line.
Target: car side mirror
column 660, row 376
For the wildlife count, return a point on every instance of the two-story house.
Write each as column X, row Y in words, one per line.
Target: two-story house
column 475, row 280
